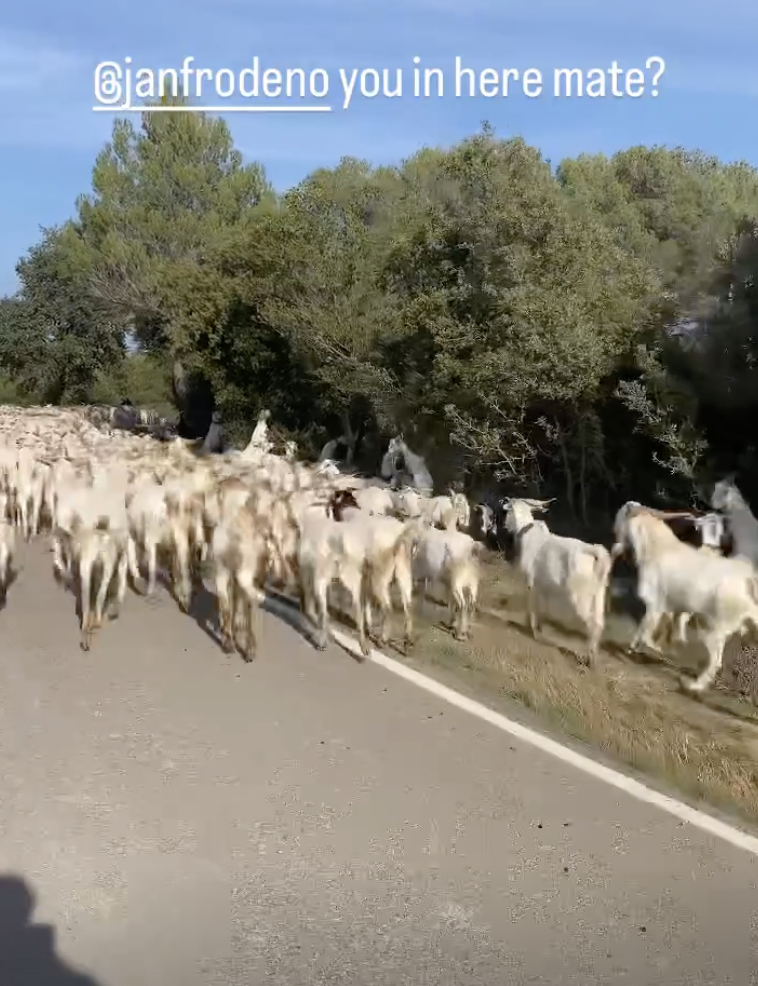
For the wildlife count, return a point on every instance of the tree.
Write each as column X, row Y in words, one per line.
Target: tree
column 165, row 199
column 590, row 334
column 53, row 341
column 527, row 309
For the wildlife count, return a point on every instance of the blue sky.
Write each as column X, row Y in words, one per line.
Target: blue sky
column 49, row 135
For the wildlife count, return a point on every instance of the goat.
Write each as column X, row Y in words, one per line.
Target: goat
column 148, row 523
column 559, row 567
column 441, row 512
column 705, row 532
column 483, row 523
column 364, row 556
column 407, row 502
column 99, row 556
column 84, row 507
column 451, row 558
column 487, row 525
column 185, row 505
column 340, row 501
column 375, row 500
column 383, row 568
column 677, row 579
column 741, row 524
column 240, row 560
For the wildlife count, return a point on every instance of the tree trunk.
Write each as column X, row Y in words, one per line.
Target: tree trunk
column 583, row 477
column 194, row 398
column 179, row 382
column 348, row 431
column 567, row 471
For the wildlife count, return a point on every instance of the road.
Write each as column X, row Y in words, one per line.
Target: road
column 183, row 818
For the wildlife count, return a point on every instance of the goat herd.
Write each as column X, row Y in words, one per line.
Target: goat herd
column 116, row 503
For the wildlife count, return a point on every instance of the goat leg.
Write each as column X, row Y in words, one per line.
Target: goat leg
column 322, row 615
column 118, row 601
column 223, row 596
column 85, row 603
column 531, row 608
column 249, row 599
column 714, row 641
column 644, row 632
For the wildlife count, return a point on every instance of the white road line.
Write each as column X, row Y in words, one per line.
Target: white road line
column 685, row 813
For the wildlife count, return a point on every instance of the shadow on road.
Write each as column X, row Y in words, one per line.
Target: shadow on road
column 12, row 577
column 284, row 610
column 27, row 950
column 204, row 611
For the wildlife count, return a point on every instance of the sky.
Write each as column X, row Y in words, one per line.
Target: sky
column 49, row 135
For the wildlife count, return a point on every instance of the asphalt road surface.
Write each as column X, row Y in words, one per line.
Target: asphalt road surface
column 182, row 818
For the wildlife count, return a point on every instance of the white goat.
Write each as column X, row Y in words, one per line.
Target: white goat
column 375, row 500
column 362, row 555
column 148, row 524
column 462, row 509
column 240, row 562
column 84, row 507
column 388, row 550
column 559, row 568
column 677, row 579
column 185, row 503
column 99, row 556
column 450, row 558
column 407, row 502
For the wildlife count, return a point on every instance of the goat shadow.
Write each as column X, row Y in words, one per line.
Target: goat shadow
column 203, row 609
column 12, row 578
column 28, row 955
column 288, row 611
column 71, row 584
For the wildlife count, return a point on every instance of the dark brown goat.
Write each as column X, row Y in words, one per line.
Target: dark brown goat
column 340, row 501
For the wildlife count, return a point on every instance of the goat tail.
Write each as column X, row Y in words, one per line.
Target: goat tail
column 411, row 530
column 749, row 626
column 388, row 558
column 602, row 566
column 471, row 584
column 602, row 563
column 750, row 623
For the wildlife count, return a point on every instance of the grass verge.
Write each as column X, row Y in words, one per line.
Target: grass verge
column 632, row 710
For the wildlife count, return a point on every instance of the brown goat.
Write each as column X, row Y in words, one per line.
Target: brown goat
column 340, row 501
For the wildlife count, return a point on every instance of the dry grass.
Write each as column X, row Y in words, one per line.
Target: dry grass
column 632, row 709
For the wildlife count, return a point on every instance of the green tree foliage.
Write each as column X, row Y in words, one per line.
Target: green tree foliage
column 591, row 333
column 165, row 199
column 142, row 377
column 52, row 338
